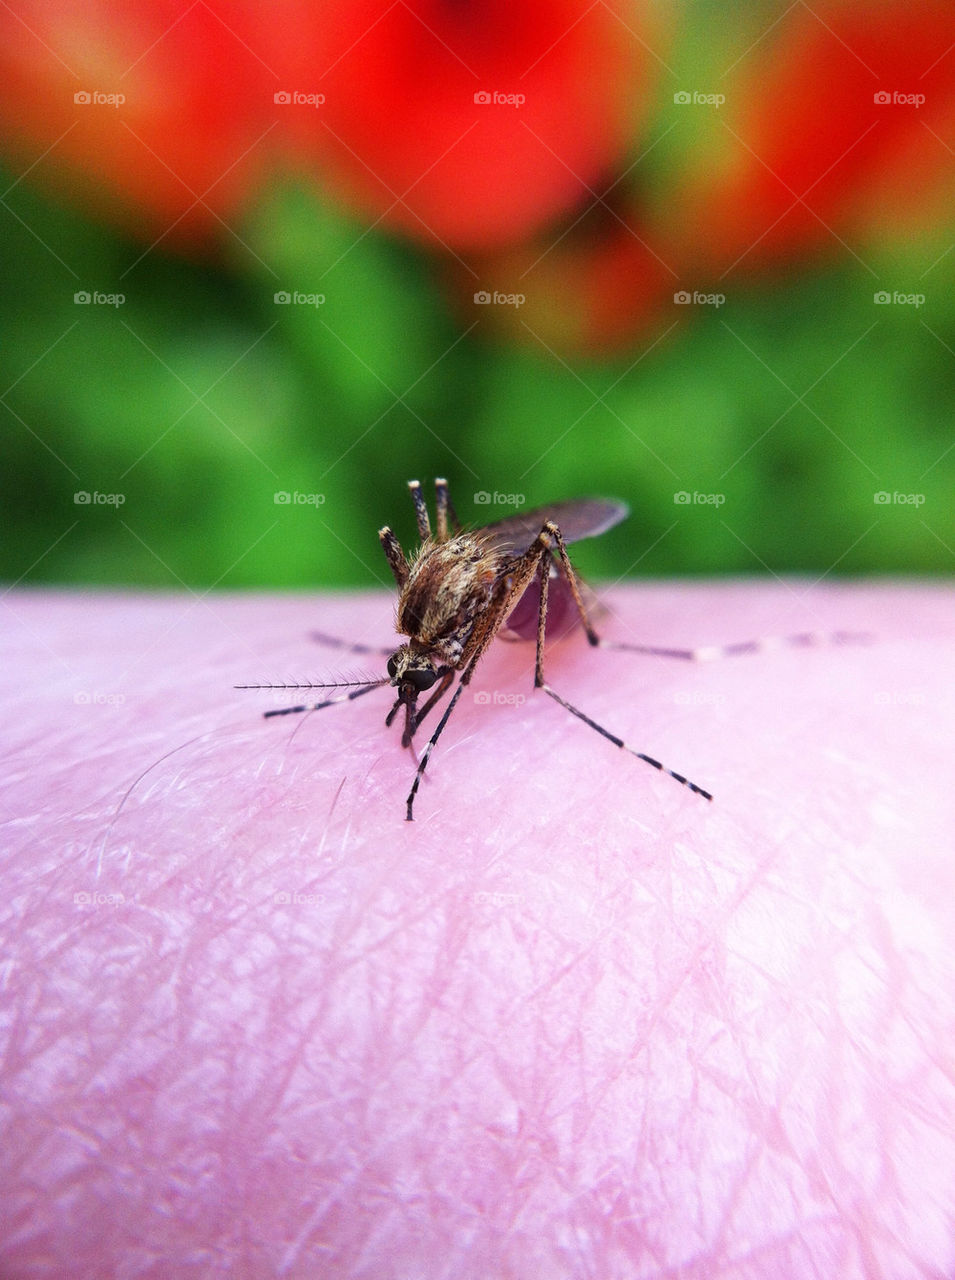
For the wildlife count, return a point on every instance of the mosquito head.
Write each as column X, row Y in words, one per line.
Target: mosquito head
column 411, row 672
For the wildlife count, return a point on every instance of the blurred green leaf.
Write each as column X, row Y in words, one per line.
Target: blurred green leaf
column 200, row 398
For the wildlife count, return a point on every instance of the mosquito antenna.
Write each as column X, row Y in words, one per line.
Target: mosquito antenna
column 357, row 689
column 316, row 684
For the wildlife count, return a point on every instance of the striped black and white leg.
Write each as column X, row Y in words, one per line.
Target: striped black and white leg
column 540, row 683
column 714, row 653
column 348, row 646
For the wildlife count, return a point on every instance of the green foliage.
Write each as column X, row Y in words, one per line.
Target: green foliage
column 200, row 398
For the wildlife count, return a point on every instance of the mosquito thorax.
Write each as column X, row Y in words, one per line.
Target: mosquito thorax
column 450, row 585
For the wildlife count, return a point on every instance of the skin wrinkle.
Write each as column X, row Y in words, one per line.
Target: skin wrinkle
column 572, row 986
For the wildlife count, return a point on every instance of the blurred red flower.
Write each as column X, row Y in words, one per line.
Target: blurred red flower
column 470, row 124
column 488, row 131
column 837, row 131
column 147, row 114
column 465, row 125
column 842, row 118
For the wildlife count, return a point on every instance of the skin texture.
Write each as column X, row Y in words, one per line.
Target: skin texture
column 574, row 1021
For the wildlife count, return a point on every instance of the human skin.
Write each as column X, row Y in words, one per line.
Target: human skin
column 573, row 1021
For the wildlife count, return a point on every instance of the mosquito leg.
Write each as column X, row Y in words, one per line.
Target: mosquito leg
column 446, row 511
column 544, row 575
column 420, row 510
column 347, row 646
column 705, row 653
column 423, row 762
column 566, row 570
column 541, row 683
column 619, row 742
column 711, row 653
column 396, row 557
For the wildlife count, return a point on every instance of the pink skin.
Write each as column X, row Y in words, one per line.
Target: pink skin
column 574, row 1021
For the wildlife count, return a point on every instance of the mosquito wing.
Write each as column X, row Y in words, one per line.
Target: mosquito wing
column 578, row 518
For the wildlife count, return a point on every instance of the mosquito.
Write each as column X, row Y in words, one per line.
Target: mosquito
column 463, row 587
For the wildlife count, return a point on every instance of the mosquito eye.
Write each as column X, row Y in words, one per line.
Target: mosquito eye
column 392, row 667
column 421, row 680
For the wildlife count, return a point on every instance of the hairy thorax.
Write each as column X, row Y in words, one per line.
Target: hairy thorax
column 449, row 588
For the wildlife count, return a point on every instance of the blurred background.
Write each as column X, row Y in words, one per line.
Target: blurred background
column 263, row 263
